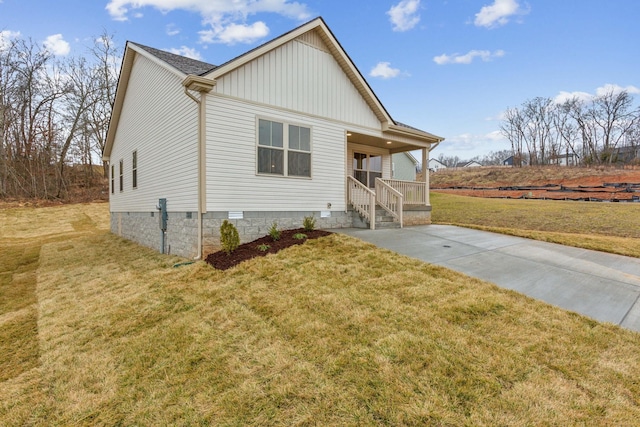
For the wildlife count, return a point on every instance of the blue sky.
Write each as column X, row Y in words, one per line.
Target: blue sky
column 450, row 67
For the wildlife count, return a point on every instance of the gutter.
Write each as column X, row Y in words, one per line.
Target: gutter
column 202, row 85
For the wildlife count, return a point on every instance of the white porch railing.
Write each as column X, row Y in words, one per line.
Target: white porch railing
column 414, row 193
column 363, row 200
column 390, row 199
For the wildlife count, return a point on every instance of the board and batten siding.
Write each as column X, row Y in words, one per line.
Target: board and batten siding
column 301, row 76
column 232, row 180
column 160, row 122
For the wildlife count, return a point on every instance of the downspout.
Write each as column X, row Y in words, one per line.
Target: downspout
column 203, row 86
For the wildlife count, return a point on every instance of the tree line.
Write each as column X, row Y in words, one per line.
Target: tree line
column 493, row 158
column 54, row 116
column 602, row 130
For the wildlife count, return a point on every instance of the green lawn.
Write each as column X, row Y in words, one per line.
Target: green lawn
column 333, row 332
column 607, row 227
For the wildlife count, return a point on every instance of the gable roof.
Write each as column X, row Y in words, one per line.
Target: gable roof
column 179, row 62
column 183, row 66
column 411, row 158
column 334, row 47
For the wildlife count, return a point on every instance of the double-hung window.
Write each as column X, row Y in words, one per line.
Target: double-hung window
column 299, row 154
column 270, row 147
column 121, row 175
column 284, row 149
column 134, row 170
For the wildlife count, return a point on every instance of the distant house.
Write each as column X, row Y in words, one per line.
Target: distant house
column 568, row 159
column 287, row 130
column 435, row 165
column 512, row 161
column 470, row 164
column 627, row 154
column 404, row 166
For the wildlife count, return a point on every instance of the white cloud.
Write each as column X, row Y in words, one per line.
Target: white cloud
column 384, row 70
column 615, row 89
column 468, row 145
column 564, row 96
column 186, row 51
column 235, row 33
column 57, row 45
column 467, row 58
column 404, row 15
column 498, row 13
column 172, row 30
column 226, row 19
column 5, row 38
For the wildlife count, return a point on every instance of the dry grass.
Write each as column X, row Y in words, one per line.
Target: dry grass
column 334, row 332
column 508, row 176
column 607, row 227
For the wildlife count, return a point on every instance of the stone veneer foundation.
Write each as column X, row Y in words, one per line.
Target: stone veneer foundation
column 181, row 237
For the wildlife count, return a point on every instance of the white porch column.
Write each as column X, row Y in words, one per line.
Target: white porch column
column 425, row 173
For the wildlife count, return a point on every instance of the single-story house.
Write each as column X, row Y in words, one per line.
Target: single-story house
column 469, row 164
column 627, row 154
column 568, row 159
column 404, row 166
column 287, row 130
column 435, row 165
column 513, row 161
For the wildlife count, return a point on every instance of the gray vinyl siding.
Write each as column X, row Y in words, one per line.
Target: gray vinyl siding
column 232, row 180
column 159, row 122
column 301, row 77
column 403, row 167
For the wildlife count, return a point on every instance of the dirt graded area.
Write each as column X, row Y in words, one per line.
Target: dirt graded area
column 549, row 183
column 262, row 247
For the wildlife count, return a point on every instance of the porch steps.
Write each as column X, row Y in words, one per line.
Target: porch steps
column 383, row 220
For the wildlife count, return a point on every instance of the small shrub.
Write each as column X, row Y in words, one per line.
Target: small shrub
column 274, row 232
column 299, row 236
column 229, row 238
column 263, row 247
column 309, row 223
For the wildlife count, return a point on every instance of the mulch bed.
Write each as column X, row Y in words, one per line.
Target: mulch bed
column 246, row 251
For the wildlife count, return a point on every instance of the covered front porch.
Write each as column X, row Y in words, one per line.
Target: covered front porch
column 372, row 191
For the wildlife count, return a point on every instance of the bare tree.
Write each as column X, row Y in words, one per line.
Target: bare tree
column 513, row 128
column 105, row 72
column 52, row 115
column 612, row 117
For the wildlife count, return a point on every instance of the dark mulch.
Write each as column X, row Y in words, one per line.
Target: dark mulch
column 246, row 251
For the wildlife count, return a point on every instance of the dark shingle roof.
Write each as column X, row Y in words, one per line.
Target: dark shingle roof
column 407, row 126
column 182, row 63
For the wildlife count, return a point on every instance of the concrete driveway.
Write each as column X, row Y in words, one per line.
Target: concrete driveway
column 602, row 286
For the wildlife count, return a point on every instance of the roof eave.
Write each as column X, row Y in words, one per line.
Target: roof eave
column 116, row 110
column 413, row 133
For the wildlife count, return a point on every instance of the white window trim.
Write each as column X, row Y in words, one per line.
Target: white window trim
column 285, row 148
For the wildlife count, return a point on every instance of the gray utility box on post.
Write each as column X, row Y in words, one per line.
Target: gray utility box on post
column 162, row 219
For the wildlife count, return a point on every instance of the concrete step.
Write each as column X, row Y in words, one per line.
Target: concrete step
column 383, row 220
